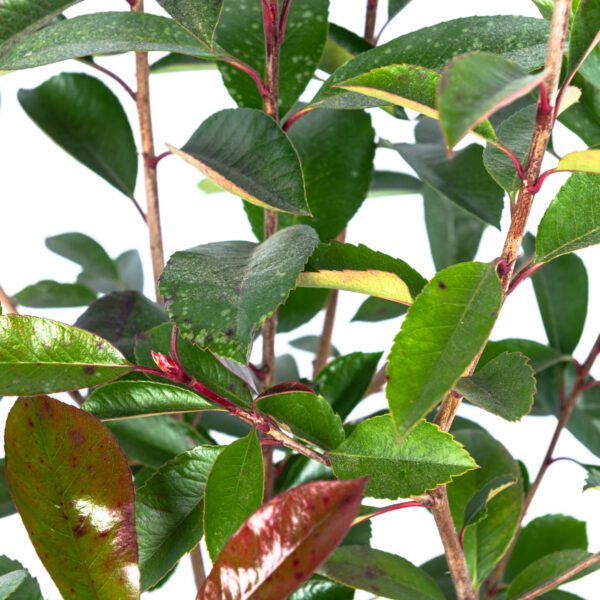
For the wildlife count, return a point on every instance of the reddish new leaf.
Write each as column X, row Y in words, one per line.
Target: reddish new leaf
column 73, row 488
column 279, row 546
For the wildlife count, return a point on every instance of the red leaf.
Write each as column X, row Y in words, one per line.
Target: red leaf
column 279, row 546
column 73, row 488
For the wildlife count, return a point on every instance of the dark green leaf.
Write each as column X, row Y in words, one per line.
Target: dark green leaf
column 241, row 33
column 39, row 356
column 199, row 18
column 309, row 417
column 120, row 316
column 505, row 386
column 169, row 511
column 569, row 223
column 541, row 357
column 88, row 547
column 300, row 307
column 427, row 458
column 131, row 270
column 378, row 309
column 219, row 294
column 345, row 380
column 310, row 343
column 28, row 588
column 476, row 508
column 7, row 506
column 102, row 33
column 390, row 183
column 592, row 481
column 50, row 294
column 585, row 35
column 542, row 536
column 380, row 573
column 246, row 153
column 341, row 45
column 318, row 588
column 86, row 119
column 453, row 233
column 298, row 470
column 443, row 331
column 395, row 6
column 438, row 568
column 234, row 490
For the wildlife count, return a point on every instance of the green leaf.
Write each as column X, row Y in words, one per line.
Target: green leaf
column 473, row 86
column 7, row 506
column 545, row 535
column 219, row 294
column 569, row 223
column 395, row 6
column 11, row 582
column 28, row 588
column 515, row 133
column 380, row 573
column 120, row 316
column 453, row 233
column 592, row 481
column 307, row 415
column 341, row 45
column 234, row 490
column 246, row 153
column 505, row 386
column 390, row 183
column 319, row 588
column 438, row 568
column 545, row 569
column 122, row 399
column 583, row 118
column 378, row 309
column 50, row 294
column 583, row 40
column 199, row 18
column 476, row 508
column 344, row 381
column 88, row 547
column 284, row 541
column 520, row 39
column 443, row 331
column 83, row 116
column 541, row 357
column 131, row 270
column 300, row 307
column 587, row 161
column 38, row 356
column 310, row 343
column 427, row 458
column 241, row 33
column 169, row 511
column 102, row 33
column 174, row 63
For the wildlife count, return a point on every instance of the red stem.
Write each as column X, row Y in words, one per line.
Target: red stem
column 234, row 62
column 534, row 189
column 285, row 12
column 293, row 118
column 523, row 274
column 514, row 158
column 112, row 76
column 544, row 106
column 387, row 509
column 152, row 161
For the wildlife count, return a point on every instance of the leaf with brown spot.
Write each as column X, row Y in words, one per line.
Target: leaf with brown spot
column 284, row 542
column 73, row 488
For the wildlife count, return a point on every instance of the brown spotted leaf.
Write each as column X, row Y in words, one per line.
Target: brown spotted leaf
column 73, row 488
column 279, row 546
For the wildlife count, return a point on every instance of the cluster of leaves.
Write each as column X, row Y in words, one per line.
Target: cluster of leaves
column 112, row 507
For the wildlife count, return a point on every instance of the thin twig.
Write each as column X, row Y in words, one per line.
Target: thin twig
column 145, row 118
column 112, row 75
column 564, row 576
column 370, row 21
column 77, row 397
column 6, row 300
column 393, row 507
column 197, row 566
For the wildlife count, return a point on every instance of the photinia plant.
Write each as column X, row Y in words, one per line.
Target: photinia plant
column 173, row 438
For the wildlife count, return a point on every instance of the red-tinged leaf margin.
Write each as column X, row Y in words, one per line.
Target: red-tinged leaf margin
column 279, row 546
column 74, row 491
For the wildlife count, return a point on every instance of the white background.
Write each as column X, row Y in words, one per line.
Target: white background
column 45, row 192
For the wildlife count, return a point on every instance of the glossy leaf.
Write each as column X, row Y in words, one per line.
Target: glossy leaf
column 234, row 490
column 427, row 458
column 380, row 573
column 39, row 356
column 453, row 233
column 219, row 294
column 443, row 331
column 7, row 506
column 307, row 415
column 569, row 223
column 81, row 518
column 101, row 33
column 319, row 588
column 587, row 161
column 378, row 309
column 199, row 18
column 51, row 294
column 505, row 386
column 474, row 85
column 584, row 52
column 476, row 508
column 517, row 38
column 241, row 32
column 83, row 116
column 545, row 535
column 344, row 381
column 120, row 316
column 169, row 510
column 17, row 582
column 246, row 153
column 284, row 541
column 390, row 183
column 310, row 343
column 545, row 569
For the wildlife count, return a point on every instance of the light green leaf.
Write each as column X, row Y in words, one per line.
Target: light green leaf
column 380, row 573
column 307, row 415
column 39, row 356
column 571, row 221
column 199, row 18
column 443, row 331
column 245, row 152
column 11, row 582
column 130, row 270
column 584, row 53
column 341, row 45
column 51, row 294
column 102, row 33
column 587, row 161
column 310, row 343
column 234, row 490
column 505, row 386
column 219, row 294
column 592, row 481
column 27, row 590
column 175, row 63
column 476, row 508
column 427, row 458
column 169, row 511
column 390, row 183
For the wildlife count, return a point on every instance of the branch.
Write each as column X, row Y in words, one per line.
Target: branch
column 370, row 21
column 109, row 73
column 7, row 302
column 565, row 576
column 197, row 566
